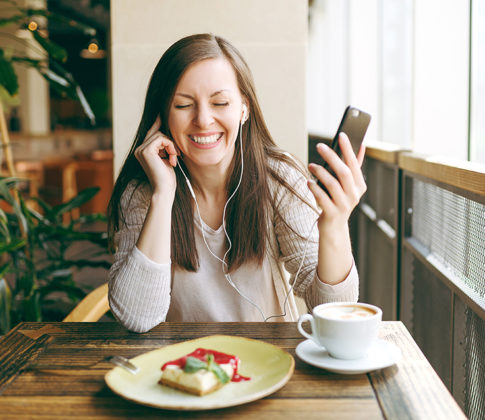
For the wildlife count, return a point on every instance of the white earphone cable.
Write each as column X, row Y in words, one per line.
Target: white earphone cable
column 223, row 260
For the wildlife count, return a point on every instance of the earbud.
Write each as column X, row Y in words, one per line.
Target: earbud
column 245, row 114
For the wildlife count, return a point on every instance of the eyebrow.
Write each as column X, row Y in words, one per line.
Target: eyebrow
column 185, row 95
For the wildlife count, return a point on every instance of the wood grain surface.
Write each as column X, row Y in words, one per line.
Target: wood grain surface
column 468, row 176
column 56, row 370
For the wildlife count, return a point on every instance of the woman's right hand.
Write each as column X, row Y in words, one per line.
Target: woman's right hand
column 158, row 157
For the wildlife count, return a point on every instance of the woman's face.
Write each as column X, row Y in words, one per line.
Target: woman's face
column 205, row 113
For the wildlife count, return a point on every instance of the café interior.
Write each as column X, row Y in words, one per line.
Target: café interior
column 417, row 67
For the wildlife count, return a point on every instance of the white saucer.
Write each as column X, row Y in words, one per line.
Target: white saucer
column 381, row 355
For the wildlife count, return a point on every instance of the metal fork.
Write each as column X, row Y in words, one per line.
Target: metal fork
column 124, row 363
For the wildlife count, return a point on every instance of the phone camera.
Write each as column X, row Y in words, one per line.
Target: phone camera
column 355, row 113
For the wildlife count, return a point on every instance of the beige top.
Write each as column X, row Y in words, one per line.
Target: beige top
column 214, row 299
column 143, row 293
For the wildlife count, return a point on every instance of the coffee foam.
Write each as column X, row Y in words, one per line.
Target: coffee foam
column 349, row 312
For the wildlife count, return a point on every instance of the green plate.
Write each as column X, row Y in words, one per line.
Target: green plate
column 268, row 366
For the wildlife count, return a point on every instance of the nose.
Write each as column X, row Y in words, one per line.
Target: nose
column 203, row 117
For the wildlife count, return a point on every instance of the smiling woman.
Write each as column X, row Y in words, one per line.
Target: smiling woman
column 208, row 214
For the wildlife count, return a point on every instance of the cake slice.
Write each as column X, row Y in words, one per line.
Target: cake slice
column 201, row 372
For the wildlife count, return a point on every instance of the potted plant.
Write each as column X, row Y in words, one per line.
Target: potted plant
column 35, row 264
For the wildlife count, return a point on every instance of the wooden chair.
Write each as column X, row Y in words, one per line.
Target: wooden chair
column 97, row 170
column 66, row 177
column 92, row 307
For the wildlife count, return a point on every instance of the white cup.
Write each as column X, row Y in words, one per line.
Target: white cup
column 345, row 329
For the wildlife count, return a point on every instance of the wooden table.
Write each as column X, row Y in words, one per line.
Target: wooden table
column 56, row 370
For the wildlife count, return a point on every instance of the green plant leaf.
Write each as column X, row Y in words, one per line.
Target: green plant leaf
column 45, row 206
column 8, row 77
column 67, row 21
column 32, row 308
column 5, row 306
column 7, row 99
column 11, row 19
column 57, row 81
column 12, row 246
column 5, row 185
column 89, row 218
column 85, row 104
column 26, row 283
column 74, row 293
column 76, row 202
column 55, row 51
column 61, row 80
column 4, row 269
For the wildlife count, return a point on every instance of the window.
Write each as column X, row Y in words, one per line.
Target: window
column 477, row 85
column 417, row 67
column 396, row 72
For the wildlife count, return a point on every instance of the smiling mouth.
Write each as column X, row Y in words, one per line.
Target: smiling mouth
column 214, row 138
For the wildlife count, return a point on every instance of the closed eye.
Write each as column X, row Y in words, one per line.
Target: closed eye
column 221, row 104
column 182, row 106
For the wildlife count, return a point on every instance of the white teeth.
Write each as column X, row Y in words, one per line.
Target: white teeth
column 206, row 139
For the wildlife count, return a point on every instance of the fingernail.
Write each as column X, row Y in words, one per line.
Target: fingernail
column 322, row 146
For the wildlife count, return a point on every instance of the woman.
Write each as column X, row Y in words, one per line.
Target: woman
column 207, row 212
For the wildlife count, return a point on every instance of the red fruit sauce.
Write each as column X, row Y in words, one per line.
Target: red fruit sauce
column 219, row 358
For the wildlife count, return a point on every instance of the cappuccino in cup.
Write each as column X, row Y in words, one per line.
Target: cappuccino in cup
column 345, row 329
column 346, row 312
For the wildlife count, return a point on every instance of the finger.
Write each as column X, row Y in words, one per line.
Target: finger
column 168, row 150
column 342, row 172
column 353, row 162
column 172, row 152
column 331, row 183
column 348, row 154
column 321, row 197
column 158, row 144
column 361, row 155
column 155, row 127
column 355, row 177
column 169, row 146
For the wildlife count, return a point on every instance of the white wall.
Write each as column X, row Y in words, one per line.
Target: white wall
column 271, row 34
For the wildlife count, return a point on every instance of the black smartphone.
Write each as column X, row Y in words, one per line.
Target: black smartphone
column 354, row 123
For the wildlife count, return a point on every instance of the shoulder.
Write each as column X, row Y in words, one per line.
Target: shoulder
column 293, row 174
column 136, row 194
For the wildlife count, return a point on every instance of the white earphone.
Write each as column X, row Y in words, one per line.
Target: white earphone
column 223, row 260
column 245, row 114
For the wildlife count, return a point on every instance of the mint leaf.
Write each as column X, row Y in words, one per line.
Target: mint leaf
column 217, row 370
column 220, row 373
column 210, row 361
column 192, row 364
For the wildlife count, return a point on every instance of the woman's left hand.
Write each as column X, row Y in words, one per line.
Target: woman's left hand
column 344, row 191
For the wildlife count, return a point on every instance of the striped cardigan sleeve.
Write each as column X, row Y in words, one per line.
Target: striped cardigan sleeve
column 294, row 215
column 139, row 289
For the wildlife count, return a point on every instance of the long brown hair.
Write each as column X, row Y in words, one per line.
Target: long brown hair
column 247, row 213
